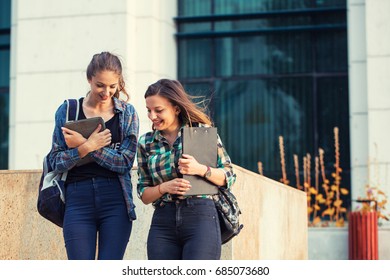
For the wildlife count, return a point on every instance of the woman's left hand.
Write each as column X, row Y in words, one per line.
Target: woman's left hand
column 190, row 166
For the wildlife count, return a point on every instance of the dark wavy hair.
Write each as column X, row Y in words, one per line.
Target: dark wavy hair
column 175, row 93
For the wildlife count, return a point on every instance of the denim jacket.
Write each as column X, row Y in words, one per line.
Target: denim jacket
column 121, row 161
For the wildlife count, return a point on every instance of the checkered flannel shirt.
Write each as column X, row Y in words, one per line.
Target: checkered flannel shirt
column 158, row 163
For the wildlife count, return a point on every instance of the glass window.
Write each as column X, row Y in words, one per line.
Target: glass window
column 195, row 58
column 268, row 69
column 252, row 114
column 4, row 68
column 5, row 31
column 266, row 55
column 333, row 109
column 194, row 7
column 4, row 124
column 223, row 7
column 5, row 14
column 249, row 6
column 331, row 52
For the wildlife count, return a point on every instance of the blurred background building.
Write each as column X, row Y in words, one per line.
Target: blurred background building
column 266, row 68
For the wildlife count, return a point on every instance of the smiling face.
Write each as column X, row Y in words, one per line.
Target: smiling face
column 103, row 86
column 163, row 114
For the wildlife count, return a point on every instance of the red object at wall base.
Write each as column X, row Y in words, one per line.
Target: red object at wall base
column 363, row 236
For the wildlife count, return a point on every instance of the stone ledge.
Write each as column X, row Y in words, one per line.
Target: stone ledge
column 274, row 218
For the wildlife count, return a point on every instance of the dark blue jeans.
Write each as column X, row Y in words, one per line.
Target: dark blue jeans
column 96, row 214
column 186, row 229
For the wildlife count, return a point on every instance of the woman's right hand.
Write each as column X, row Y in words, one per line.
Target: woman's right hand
column 73, row 139
column 177, row 186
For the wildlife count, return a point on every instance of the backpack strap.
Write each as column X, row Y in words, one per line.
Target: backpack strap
column 72, row 114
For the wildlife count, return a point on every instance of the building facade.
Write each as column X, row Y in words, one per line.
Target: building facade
column 266, row 68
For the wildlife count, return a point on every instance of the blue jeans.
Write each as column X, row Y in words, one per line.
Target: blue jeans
column 185, row 229
column 95, row 209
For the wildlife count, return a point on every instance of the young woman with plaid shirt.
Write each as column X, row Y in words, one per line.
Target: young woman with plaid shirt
column 99, row 207
column 183, row 227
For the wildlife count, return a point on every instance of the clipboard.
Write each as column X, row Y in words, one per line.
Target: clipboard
column 85, row 127
column 201, row 143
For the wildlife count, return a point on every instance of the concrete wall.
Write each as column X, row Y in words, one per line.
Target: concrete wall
column 369, row 87
column 378, row 88
column 274, row 218
column 51, row 45
column 358, row 96
column 332, row 243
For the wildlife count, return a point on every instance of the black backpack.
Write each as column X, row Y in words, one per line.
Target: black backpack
column 51, row 192
column 228, row 214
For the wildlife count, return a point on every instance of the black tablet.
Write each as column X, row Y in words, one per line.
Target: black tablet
column 86, row 126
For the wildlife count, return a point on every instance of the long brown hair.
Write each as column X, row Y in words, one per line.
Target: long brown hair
column 106, row 61
column 174, row 91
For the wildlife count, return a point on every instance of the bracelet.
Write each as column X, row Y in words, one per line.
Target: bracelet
column 158, row 187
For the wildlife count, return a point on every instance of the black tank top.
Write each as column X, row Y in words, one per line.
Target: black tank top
column 93, row 169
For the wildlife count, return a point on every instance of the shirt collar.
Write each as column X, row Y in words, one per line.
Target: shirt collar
column 158, row 136
column 118, row 105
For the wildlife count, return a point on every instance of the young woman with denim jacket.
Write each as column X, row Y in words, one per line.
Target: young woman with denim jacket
column 99, row 207
column 183, row 226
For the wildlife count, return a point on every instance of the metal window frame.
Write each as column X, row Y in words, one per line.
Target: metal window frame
column 5, row 31
column 259, row 15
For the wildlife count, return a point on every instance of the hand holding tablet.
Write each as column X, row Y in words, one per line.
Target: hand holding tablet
column 86, row 127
